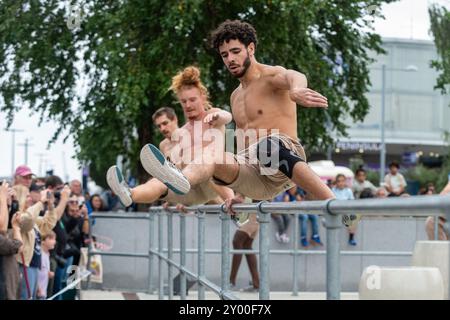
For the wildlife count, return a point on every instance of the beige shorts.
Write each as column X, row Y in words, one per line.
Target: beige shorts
column 198, row 194
column 251, row 227
column 251, row 181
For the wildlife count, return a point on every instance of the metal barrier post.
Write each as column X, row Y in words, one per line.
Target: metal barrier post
column 448, row 221
column 333, row 225
column 170, row 253
column 225, row 255
column 160, row 260
column 436, row 227
column 294, row 261
column 264, row 244
column 201, row 254
column 182, row 255
column 151, row 230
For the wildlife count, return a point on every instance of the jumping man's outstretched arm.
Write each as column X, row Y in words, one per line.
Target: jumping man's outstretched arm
column 297, row 83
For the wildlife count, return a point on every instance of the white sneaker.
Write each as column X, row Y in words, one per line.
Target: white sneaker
column 278, row 237
column 162, row 169
column 284, row 238
column 119, row 186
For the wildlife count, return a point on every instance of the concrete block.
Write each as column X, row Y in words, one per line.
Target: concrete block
column 433, row 254
column 401, row 283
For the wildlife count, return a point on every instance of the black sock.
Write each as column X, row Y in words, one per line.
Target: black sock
column 351, row 236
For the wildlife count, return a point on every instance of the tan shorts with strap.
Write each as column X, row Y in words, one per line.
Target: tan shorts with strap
column 257, row 181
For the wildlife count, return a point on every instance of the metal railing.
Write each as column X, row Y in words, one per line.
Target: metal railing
column 331, row 209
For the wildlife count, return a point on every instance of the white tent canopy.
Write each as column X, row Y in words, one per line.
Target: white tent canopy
column 327, row 170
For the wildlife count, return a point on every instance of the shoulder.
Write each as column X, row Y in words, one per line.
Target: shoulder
column 272, row 73
column 272, row 70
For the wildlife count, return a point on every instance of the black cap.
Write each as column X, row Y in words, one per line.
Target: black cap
column 36, row 187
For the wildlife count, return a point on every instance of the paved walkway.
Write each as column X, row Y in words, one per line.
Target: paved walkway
column 119, row 295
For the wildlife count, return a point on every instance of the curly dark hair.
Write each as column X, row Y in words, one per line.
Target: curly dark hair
column 233, row 30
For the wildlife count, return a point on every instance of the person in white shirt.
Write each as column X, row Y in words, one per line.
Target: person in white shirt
column 360, row 183
column 394, row 181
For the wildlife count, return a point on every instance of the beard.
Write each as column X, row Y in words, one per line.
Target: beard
column 246, row 65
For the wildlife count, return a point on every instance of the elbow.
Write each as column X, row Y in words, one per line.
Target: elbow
column 297, row 78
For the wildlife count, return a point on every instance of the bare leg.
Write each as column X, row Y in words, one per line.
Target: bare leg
column 238, row 243
column 252, row 262
column 429, row 227
column 306, row 179
column 198, row 173
column 148, row 192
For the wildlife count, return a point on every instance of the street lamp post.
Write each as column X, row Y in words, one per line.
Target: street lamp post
column 13, row 146
column 410, row 68
column 383, row 108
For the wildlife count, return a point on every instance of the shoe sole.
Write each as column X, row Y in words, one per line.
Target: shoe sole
column 156, row 165
column 114, row 178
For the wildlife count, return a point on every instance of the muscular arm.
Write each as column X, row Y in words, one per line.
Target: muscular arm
column 220, row 117
column 285, row 79
column 297, row 84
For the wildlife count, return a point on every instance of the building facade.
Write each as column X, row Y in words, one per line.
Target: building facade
column 417, row 117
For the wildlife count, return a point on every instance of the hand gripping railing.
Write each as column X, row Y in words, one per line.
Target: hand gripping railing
column 331, row 209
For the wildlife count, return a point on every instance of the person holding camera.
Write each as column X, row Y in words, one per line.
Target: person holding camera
column 10, row 245
column 71, row 231
column 32, row 225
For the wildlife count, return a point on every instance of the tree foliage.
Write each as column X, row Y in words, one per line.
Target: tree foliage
column 440, row 28
column 102, row 80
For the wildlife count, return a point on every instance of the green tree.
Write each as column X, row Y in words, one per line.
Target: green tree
column 440, row 27
column 102, row 80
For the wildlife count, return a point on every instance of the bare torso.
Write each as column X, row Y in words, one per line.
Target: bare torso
column 259, row 105
column 190, row 142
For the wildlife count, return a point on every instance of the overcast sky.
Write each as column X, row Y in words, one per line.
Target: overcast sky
column 404, row 19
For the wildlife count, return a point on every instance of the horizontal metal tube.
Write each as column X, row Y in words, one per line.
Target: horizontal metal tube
column 277, row 252
column 132, row 216
column 120, row 254
column 417, row 205
column 302, row 252
column 400, row 206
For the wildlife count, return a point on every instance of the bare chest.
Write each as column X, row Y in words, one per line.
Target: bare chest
column 258, row 102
